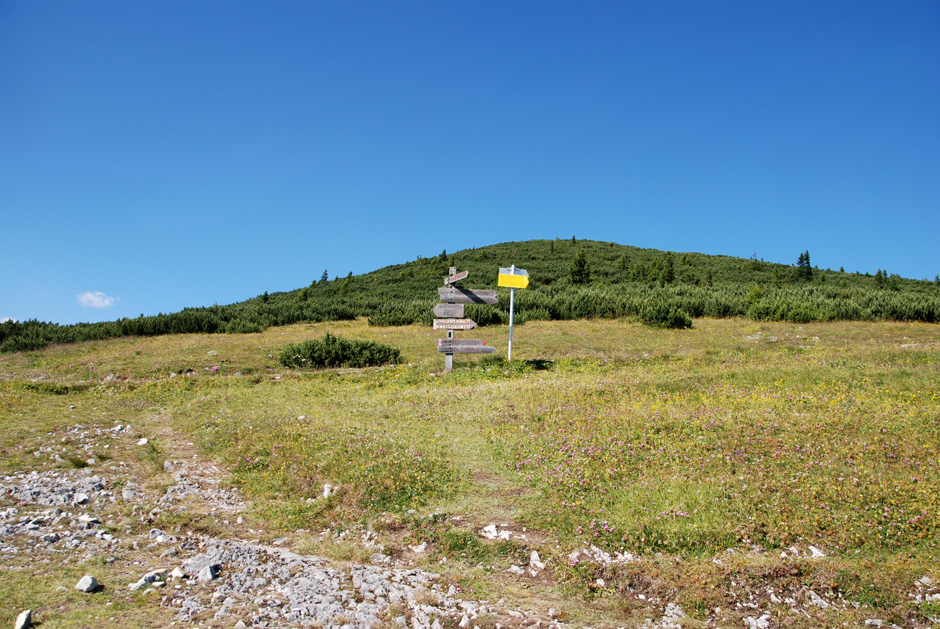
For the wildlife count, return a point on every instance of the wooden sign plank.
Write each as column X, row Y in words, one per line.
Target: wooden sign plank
column 449, row 311
column 456, row 277
column 455, row 295
column 454, row 324
column 460, row 347
column 456, row 342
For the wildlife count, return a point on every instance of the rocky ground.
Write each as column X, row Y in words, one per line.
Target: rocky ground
column 96, row 513
column 77, row 515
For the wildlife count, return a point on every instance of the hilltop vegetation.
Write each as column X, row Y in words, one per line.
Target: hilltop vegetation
column 571, row 279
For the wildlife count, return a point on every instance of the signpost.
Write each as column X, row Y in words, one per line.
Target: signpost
column 454, row 324
column 463, row 346
column 449, row 311
column 456, row 277
column 468, row 295
column 512, row 278
column 450, row 317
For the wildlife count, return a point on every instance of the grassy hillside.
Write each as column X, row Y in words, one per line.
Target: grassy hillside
column 623, row 282
column 717, row 457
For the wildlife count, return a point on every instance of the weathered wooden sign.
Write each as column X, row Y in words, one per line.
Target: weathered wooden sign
column 454, row 324
column 456, row 277
column 455, row 295
column 449, row 311
column 463, row 346
column 450, row 317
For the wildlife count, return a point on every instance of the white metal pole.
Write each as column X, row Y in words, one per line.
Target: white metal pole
column 512, row 302
column 512, row 298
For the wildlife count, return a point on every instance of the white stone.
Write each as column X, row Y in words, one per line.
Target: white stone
column 24, row 620
column 143, row 441
column 514, row 569
column 535, row 561
column 758, row 623
column 208, row 573
column 816, row 552
column 87, row 583
column 817, row 600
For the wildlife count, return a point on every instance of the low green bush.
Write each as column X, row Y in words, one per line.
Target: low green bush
column 335, row 351
column 665, row 316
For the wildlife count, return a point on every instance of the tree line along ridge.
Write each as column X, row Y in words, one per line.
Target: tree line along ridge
column 570, row 279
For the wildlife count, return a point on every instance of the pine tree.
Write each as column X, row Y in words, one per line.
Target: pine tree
column 623, row 263
column 580, row 269
column 668, row 276
column 804, row 270
column 325, row 277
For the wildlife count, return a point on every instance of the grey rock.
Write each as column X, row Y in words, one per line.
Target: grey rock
column 24, row 620
column 817, row 600
column 152, row 577
column 208, row 573
column 87, row 583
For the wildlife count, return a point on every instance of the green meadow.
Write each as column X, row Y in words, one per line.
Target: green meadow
column 707, row 454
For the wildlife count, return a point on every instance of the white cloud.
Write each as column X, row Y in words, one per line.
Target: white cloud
column 96, row 299
column 5, row 319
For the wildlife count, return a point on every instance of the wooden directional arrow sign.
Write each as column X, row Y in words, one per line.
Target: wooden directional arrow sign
column 463, row 346
column 456, row 277
column 454, row 324
column 454, row 295
column 449, row 311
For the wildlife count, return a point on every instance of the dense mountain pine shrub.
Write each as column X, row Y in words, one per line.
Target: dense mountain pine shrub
column 569, row 279
column 335, row 351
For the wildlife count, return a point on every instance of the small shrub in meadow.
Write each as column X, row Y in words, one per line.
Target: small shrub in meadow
column 666, row 316
column 335, row 351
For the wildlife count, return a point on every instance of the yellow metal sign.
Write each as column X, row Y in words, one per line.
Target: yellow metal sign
column 508, row 279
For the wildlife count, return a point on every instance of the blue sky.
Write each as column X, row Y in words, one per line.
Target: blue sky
column 156, row 155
